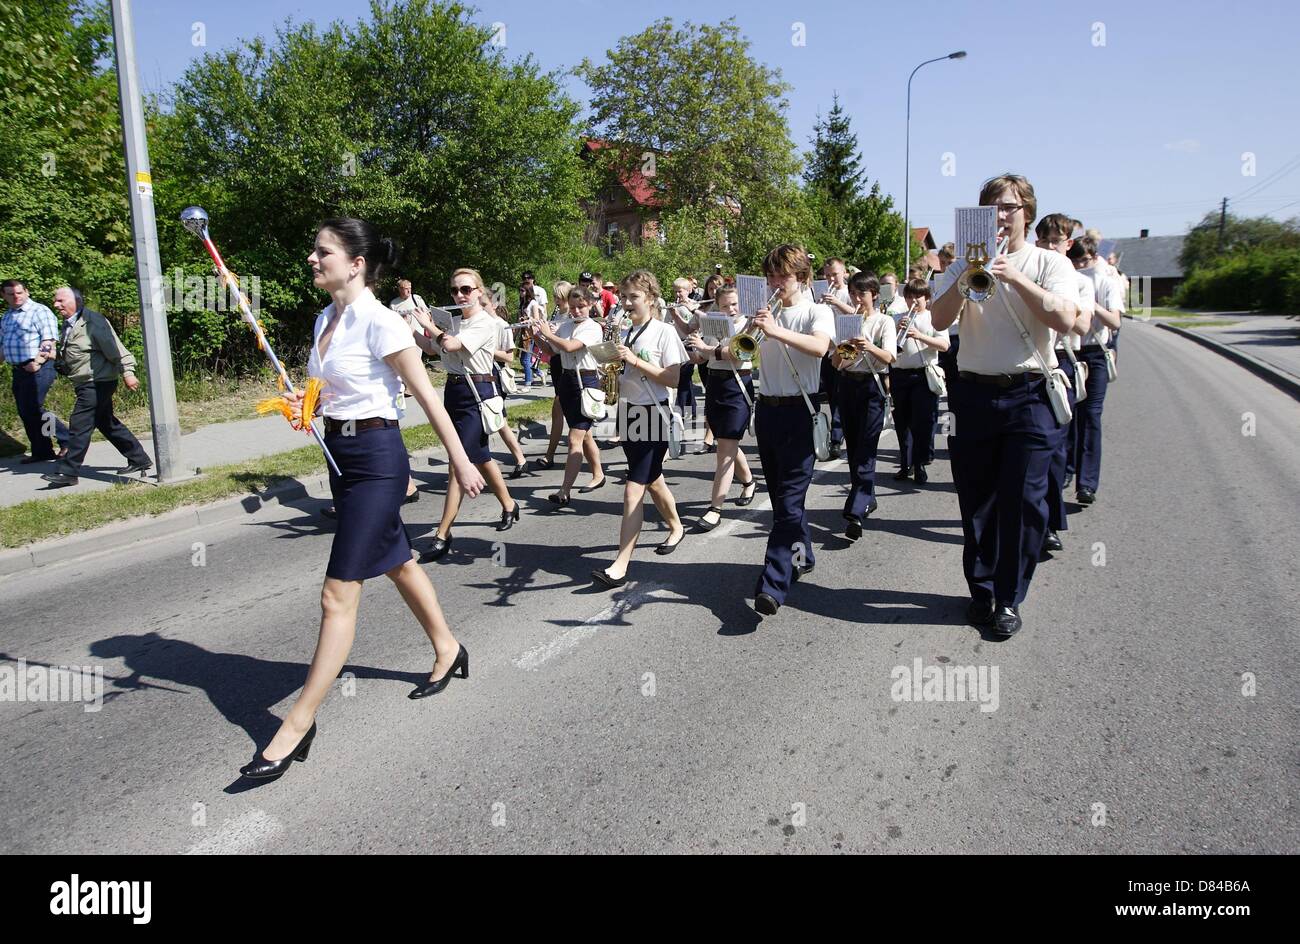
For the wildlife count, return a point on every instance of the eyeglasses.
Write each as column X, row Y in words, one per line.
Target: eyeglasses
column 462, row 289
column 1009, row 208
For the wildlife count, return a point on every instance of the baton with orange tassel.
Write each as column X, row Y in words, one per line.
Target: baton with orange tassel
column 195, row 219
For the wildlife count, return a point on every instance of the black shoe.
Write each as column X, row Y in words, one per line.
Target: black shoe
column 980, row 613
column 1069, row 480
column 134, row 467
column 766, row 604
column 710, row 447
column 804, row 570
column 518, row 471
column 704, row 524
column 835, row 451
column 606, row 580
column 559, row 499
column 665, row 549
column 902, row 475
column 744, row 487
column 259, row 768
column 854, row 529
column 331, row 512
column 1007, row 622
column 920, row 475
column 437, row 549
column 1053, row 542
column 459, row 669
column 411, row 498
column 871, row 508
column 1084, row 496
column 59, row 480
column 508, row 518
column 595, row 485
column 543, row 463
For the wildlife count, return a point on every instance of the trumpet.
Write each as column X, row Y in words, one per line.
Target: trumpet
column 745, row 345
column 976, row 283
column 903, row 326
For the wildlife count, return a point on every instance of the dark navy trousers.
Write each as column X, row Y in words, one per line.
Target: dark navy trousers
column 1087, row 422
column 1002, row 452
column 785, row 449
column 862, row 407
column 914, row 414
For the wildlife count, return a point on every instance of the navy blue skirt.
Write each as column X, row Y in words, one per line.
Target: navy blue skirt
column 645, row 441
column 569, row 387
column 464, row 412
column 370, row 539
column 725, row 406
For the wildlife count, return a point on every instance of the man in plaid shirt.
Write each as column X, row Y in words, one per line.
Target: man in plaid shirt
column 28, row 332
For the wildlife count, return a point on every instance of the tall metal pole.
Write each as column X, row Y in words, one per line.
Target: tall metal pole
column 907, row 168
column 148, row 268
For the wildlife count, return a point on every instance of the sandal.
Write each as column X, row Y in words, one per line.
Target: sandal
column 746, row 499
column 705, row 523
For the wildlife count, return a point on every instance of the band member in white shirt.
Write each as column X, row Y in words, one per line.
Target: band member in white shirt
column 836, row 298
column 363, row 352
column 727, row 408
column 1053, row 232
column 580, row 372
column 683, row 312
column 897, row 304
column 468, row 357
column 803, row 331
column 652, row 355
column 863, row 376
column 915, row 404
column 1107, row 315
column 1005, row 432
column 503, row 357
column 558, row 317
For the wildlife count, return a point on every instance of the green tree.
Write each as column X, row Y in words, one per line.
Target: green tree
column 412, row 119
column 1202, row 246
column 833, row 165
column 63, row 206
column 689, row 107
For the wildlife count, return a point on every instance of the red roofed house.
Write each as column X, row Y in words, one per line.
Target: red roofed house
column 625, row 210
column 922, row 235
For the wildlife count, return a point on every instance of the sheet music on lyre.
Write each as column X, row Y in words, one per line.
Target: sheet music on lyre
column 819, row 288
column 716, row 327
column 752, row 293
column 976, row 225
column 445, row 320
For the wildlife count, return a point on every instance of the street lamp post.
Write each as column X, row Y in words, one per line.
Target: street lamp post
column 907, row 165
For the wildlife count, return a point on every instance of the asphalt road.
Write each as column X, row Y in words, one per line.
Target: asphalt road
column 667, row 717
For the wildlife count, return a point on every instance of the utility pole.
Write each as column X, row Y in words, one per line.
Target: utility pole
column 148, row 268
column 1223, row 220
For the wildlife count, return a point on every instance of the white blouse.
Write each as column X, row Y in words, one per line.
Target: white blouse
column 656, row 343
column 479, row 334
column 586, row 331
column 359, row 384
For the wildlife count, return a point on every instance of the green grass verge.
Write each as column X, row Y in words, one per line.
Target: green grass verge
column 44, row 518
column 1192, row 323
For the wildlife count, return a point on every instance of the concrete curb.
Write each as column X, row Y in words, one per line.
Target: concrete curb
column 1286, row 382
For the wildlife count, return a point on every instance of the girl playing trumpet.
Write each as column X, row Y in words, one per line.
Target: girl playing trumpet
column 728, row 405
column 579, row 372
column 915, row 404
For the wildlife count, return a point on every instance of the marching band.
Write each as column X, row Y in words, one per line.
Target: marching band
column 1025, row 390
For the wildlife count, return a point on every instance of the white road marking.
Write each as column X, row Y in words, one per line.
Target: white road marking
column 241, row 835
column 633, row 596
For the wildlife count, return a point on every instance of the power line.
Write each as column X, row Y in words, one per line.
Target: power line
column 1271, row 179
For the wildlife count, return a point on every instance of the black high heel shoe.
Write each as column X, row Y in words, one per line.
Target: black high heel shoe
column 508, row 518
column 458, row 668
column 744, row 487
column 437, row 549
column 259, row 768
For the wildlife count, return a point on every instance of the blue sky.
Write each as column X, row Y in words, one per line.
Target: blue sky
column 1127, row 115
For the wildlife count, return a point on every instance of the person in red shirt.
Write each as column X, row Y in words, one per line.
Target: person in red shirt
column 592, row 281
